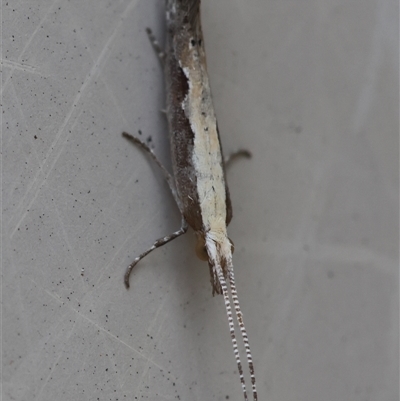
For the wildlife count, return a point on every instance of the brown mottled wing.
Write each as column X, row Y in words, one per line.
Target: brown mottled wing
column 180, row 131
column 193, row 7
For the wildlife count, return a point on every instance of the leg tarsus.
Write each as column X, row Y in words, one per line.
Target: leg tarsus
column 239, row 153
column 160, row 242
column 156, row 46
column 168, row 177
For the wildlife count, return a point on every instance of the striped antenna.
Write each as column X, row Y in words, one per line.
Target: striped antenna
column 232, row 328
column 239, row 317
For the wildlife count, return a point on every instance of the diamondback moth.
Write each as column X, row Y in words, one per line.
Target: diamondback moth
column 198, row 183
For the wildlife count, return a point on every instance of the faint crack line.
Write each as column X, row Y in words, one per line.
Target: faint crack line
column 36, row 185
column 102, row 329
column 19, row 66
column 28, row 43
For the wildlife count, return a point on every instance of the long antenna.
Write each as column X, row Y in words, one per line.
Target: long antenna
column 243, row 331
column 232, row 328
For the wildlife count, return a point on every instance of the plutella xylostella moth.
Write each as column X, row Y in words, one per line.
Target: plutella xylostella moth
column 198, row 183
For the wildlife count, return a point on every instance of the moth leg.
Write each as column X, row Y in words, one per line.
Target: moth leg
column 156, row 46
column 160, row 242
column 168, row 177
column 239, row 153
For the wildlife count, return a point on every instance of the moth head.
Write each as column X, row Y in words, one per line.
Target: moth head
column 201, row 248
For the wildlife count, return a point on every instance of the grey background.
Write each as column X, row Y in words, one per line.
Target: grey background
column 311, row 88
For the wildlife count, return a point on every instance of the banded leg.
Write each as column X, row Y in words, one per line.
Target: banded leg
column 160, row 242
column 156, row 46
column 168, row 177
column 239, row 153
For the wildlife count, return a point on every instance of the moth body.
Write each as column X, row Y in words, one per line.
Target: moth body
column 194, row 139
column 198, row 183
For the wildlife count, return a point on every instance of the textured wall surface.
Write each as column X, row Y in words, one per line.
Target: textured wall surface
column 311, row 88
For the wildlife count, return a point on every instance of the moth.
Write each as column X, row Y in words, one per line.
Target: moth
column 198, row 183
